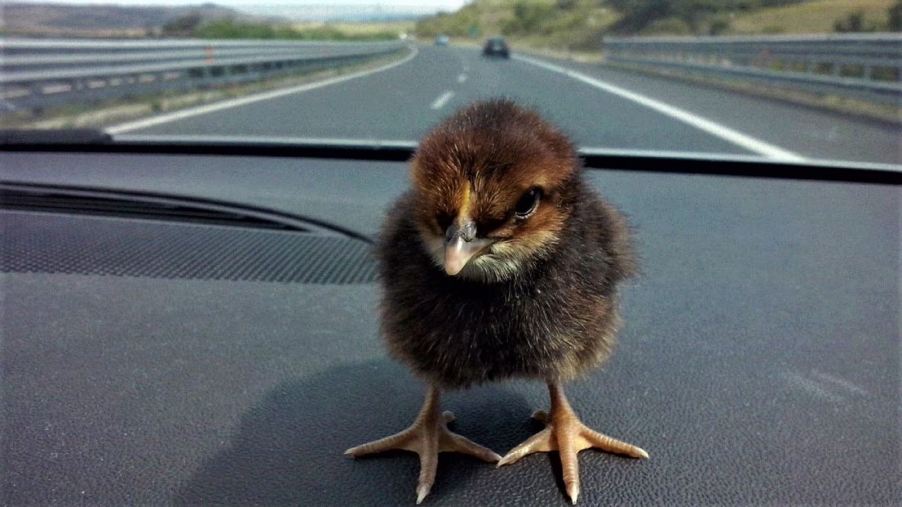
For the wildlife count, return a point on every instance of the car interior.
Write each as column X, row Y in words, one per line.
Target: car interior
column 171, row 336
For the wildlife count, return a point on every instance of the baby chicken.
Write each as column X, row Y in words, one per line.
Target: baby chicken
column 500, row 263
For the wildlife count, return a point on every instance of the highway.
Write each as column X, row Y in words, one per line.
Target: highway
column 599, row 107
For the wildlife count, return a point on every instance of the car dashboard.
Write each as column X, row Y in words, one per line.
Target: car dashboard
column 227, row 350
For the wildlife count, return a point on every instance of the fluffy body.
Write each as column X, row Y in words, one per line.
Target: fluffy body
column 554, row 320
column 541, row 302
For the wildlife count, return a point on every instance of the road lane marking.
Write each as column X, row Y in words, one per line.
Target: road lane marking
column 401, row 144
column 461, row 78
column 442, row 100
column 218, row 106
column 716, row 129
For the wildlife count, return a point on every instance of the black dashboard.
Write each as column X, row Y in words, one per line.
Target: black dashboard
column 199, row 364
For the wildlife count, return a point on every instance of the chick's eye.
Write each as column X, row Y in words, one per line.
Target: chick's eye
column 527, row 204
column 443, row 220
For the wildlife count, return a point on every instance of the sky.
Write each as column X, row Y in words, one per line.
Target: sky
column 317, row 10
column 299, row 9
column 448, row 5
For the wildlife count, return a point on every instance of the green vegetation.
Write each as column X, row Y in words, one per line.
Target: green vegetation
column 191, row 26
column 555, row 24
column 581, row 24
column 816, row 16
column 894, row 21
column 701, row 17
column 396, row 28
column 854, row 23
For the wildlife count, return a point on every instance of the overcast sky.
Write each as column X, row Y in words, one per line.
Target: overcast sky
column 437, row 4
column 314, row 10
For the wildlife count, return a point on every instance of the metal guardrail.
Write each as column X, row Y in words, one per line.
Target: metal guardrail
column 42, row 73
column 864, row 66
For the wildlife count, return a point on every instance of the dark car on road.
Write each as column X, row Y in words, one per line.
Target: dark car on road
column 496, row 46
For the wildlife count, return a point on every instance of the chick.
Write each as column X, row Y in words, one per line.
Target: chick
column 500, row 262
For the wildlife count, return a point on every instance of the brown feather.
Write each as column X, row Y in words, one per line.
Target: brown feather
column 554, row 316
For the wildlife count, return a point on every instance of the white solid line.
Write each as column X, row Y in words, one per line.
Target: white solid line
column 277, row 140
column 218, row 106
column 703, row 124
column 442, row 100
column 461, row 78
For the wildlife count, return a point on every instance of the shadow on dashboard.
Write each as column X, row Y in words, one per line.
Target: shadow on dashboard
column 289, row 447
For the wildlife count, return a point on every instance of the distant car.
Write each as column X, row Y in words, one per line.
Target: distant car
column 496, row 46
column 442, row 40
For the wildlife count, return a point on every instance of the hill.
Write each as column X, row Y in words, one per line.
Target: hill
column 818, row 16
column 68, row 20
column 542, row 23
column 581, row 24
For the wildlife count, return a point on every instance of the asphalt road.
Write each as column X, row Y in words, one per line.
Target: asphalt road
column 641, row 113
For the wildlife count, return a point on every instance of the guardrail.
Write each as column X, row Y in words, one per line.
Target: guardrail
column 865, row 66
column 40, row 73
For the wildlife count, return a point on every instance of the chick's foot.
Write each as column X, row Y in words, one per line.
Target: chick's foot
column 427, row 436
column 565, row 433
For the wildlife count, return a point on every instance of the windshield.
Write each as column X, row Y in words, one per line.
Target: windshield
column 790, row 80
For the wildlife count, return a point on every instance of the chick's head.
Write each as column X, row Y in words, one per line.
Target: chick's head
column 493, row 188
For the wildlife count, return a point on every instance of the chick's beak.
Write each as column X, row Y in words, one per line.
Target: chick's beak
column 461, row 245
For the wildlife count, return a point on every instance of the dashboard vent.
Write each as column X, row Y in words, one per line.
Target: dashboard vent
column 91, row 245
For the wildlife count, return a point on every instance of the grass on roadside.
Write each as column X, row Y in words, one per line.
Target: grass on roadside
column 844, row 105
column 362, row 29
column 816, row 16
column 540, row 23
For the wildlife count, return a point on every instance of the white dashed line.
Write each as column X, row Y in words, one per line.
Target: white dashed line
column 218, row 106
column 691, row 119
column 442, row 100
column 461, row 78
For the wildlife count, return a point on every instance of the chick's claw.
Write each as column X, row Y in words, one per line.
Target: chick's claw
column 565, row 433
column 427, row 436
